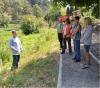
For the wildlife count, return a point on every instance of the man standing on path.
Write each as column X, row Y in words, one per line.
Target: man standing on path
column 76, row 34
column 16, row 48
column 59, row 27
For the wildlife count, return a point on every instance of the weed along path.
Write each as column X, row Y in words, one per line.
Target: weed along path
column 73, row 76
column 38, row 66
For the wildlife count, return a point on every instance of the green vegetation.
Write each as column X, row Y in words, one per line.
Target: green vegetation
column 88, row 4
column 39, row 60
column 31, row 24
column 38, row 66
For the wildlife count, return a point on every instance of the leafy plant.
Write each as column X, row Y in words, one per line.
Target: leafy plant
column 31, row 24
column 4, row 19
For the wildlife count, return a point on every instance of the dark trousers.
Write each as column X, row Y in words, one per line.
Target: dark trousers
column 68, row 39
column 77, row 49
column 60, row 38
column 15, row 61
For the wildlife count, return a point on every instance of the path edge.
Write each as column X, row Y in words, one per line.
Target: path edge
column 60, row 73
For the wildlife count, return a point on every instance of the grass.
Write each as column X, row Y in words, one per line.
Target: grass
column 39, row 60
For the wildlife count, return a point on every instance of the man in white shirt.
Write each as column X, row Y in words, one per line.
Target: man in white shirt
column 16, row 48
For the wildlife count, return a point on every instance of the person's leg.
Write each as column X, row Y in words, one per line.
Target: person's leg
column 64, row 45
column 60, row 38
column 17, row 60
column 87, row 57
column 69, row 45
column 74, row 42
column 14, row 62
column 64, row 42
column 87, row 54
column 78, row 56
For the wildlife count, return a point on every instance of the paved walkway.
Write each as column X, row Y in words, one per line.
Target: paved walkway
column 73, row 76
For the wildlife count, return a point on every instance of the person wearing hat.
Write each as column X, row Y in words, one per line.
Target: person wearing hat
column 16, row 47
column 76, row 35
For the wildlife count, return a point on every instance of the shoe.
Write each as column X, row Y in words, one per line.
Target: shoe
column 62, row 52
column 77, row 60
column 74, row 58
column 85, row 66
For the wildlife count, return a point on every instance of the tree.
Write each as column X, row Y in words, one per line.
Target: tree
column 15, row 8
column 37, row 11
column 20, row 7
column 81, row 3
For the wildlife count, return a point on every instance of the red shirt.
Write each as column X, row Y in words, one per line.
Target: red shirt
column 68, row 30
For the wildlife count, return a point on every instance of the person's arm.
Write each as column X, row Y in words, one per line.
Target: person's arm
column 11, row 46
column 76, row 30
column 21, row 45
column 83, row 31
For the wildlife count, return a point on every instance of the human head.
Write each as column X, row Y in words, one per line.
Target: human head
column 67, row 21
column 76, row 19
column 71, row 18
column 60, row 20
column 14, row 33
column 87, row 21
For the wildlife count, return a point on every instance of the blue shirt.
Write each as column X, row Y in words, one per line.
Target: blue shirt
column 87, row 35
column 77, row 36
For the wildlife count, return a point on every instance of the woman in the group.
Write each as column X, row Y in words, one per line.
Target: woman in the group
column 87, row 38
column 67, row 35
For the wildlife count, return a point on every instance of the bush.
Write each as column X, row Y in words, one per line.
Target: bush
column 31, row 24
column 4, row 53
column 4, row 19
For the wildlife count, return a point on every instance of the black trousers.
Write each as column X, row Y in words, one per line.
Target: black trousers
column 60, row 38
column 16, row 59
column 68, row 40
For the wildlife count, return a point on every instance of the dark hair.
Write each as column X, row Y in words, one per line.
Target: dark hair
column 13, row 31
column 68, row 21
column 77, row 18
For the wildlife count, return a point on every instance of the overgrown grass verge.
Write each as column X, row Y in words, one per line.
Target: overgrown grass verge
column 39, row 61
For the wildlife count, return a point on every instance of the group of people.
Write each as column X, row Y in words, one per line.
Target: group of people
column 67, row 30
column 71, row 29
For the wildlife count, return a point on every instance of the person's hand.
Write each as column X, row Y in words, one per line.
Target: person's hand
column 72, row 34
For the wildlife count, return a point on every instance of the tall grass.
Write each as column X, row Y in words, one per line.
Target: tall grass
column 37, row 56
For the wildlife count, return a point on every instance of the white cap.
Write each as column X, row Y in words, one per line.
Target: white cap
column 13, row 31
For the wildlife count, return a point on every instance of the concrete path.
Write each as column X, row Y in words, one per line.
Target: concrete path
column 73, row 76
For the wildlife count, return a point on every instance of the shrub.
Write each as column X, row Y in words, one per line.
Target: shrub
column 31, row 24
column 4, row 53
column 4, row 19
